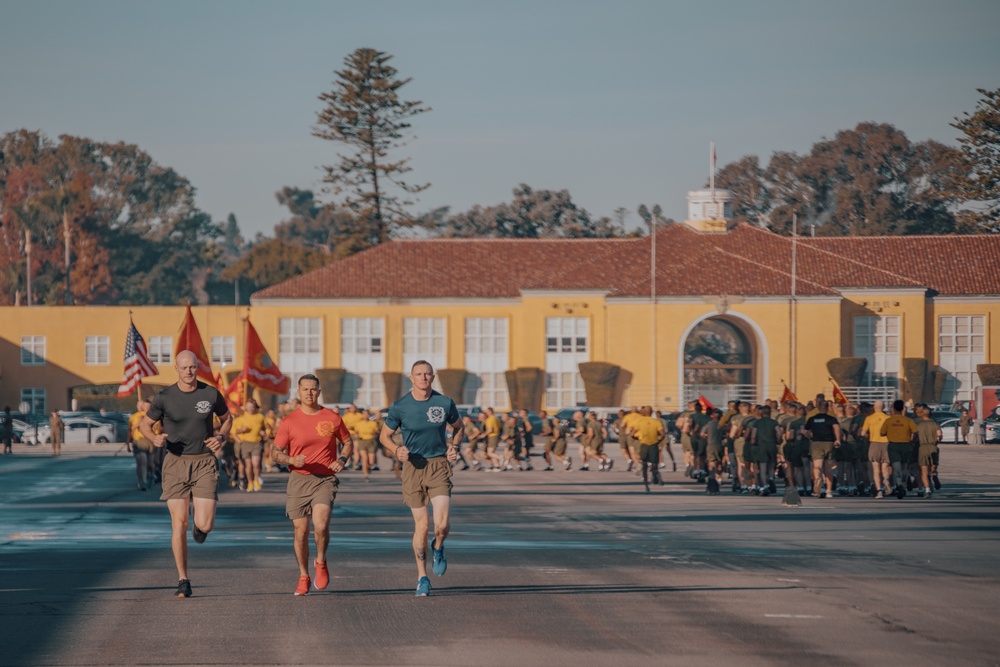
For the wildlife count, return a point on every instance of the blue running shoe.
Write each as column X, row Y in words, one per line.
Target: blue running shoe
column 438, row 562
column 423, row 587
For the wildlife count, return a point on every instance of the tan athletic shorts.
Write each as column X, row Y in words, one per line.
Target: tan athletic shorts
column 424, row 479
column 491, row 443
column 878, row 452
column 249, row 449
column 305, row 491
column 366, row 446
column 195, row 475
column 142, row 446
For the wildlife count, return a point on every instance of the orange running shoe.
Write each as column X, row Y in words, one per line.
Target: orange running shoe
column 322, row 576
column 303, row 587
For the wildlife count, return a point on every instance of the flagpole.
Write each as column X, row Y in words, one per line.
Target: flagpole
column 246, row 359
column 794, row 311
column 138, row 386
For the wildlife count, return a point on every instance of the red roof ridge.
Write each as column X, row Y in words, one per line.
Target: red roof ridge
column 867, row 267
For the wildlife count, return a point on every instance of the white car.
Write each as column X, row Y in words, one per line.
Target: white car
column 951, row 432
column 77, row 430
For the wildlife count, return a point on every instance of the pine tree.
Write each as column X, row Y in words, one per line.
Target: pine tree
column 364, row 113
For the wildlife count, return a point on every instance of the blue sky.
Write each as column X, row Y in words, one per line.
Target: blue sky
column 614, row 101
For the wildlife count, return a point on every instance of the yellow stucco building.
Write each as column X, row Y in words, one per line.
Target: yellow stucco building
column 720, row 313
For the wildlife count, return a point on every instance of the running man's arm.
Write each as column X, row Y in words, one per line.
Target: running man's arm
column 146, row 428
column 400, row 453
column 457, row 433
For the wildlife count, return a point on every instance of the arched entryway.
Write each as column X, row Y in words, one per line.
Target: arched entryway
column 721, row 358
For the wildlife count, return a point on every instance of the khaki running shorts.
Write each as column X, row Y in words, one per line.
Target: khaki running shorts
column 196, row 475
column 251, row 449
column 424, row 479
column 305, row 491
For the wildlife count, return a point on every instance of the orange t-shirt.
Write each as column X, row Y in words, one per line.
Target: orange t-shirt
column 316, row 436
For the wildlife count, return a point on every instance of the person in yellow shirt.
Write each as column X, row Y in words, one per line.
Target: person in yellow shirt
column 367, row 430
column 350, row 418
column 142, row 449
column 878, row 449
column 899, row 430
column 627, row 429
column 491, row 427
column 249, row 430
column 648, row 432
column 270, row 428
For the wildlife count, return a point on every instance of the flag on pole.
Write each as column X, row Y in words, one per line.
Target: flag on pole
column 838, row 395
column 233, row 393
column 788, row 395
column 137, row 363
column 258, row 369
column 706, row 406
column 190, row 339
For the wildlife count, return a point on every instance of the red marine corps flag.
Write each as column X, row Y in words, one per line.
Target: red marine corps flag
column 838, row 396
column 137, row 363
column 258, row 369
column 190, row 339
column 788, row 395
column 706, row 406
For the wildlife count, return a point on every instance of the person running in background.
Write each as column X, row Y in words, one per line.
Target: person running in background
column 367, row 431
column 714, row 450
column 928, row 436
column 594, row 437
column 899, row 430
column 141, row 447
column 824, row 432
column 649, row 431
column 473, row 436
column 878, row 448
column 578, row 432
column 307, row 441
column 765, row 436
column 492, row 428
column 249, row 430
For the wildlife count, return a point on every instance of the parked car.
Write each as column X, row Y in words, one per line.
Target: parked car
column 77, row 430
column 951, row 432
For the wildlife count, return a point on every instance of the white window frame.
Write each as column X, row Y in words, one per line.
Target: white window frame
column 487, row 358
column 223, row 350
column 161, row 349
column 362, row 355
column 300, row 347
column 32, row 350
column 30, row 395
column 878, row 338
column 961, row 347
column 424, row 338
column 567, row 345
column 96, row 350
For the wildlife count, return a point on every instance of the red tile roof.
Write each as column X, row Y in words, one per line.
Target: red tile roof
column 745, row 261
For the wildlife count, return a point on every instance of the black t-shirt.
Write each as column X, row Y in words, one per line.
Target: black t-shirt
column 187, row 417
column 821, row 426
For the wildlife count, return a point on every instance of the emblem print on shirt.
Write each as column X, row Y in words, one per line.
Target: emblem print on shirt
column 435, row 414
column 324, row 429
column 203, row 407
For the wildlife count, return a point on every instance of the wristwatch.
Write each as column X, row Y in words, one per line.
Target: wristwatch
column 342, row 459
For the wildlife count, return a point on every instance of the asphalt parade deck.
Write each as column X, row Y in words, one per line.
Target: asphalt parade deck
column 545, row 568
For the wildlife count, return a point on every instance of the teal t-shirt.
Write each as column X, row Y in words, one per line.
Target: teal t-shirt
column 423, row 423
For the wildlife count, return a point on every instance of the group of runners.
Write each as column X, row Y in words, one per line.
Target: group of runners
column 190, row 422
column 820, row 449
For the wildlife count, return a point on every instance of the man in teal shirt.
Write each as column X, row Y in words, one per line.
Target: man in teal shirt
column 424, row 415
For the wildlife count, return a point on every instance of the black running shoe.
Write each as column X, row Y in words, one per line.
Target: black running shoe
column 900, row 491
column 183, row 588
column 198, row 534
column 772, row 486
column 937, row 483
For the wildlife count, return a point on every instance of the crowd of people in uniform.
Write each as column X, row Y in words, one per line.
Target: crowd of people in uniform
column 821, row 449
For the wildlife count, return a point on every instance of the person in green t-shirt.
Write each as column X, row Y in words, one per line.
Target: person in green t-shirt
column 765, row 436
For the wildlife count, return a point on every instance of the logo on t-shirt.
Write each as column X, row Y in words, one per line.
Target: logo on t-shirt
column 203, row 407
column 435, row 414
column 324, row 429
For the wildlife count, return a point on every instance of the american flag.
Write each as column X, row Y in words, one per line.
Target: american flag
column 137, row 363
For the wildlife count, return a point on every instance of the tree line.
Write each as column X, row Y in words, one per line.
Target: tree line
column 104, row 223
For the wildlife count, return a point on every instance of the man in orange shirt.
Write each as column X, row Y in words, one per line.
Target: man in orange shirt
column 307, row 441
column 899, row 429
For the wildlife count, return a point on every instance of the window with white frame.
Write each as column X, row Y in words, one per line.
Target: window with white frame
column 32, row 350
column 96, row 350
column 35, row 398
column 300, row 347
column 877, row 340
column 362, row 354
column 567, row 345
column 486, row 360
column 223, row 349
column 424, row 338
column 961, row 347
column 160, row 349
